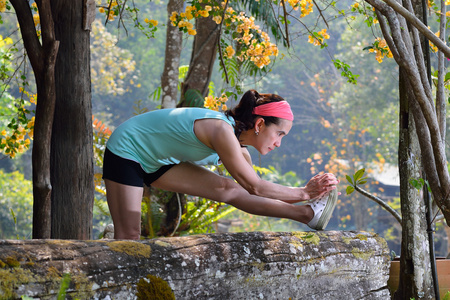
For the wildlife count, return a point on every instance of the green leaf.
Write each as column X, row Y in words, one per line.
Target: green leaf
column 359, row 174
column 65, row 281
column 350, row 189
column 417, row 184
column 194, row 98
column 349, row 179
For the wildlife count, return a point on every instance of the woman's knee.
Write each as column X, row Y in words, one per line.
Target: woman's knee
column 231, row 191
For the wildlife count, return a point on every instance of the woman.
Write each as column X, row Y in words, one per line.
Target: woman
column 165, row 148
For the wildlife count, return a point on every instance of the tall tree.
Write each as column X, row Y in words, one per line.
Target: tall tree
column 72, row 163
column 415, row 276
column 62, row 150
column 42, row 57
column 169, row 78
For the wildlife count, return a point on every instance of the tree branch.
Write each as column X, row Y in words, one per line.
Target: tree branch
column 285, row 23
column 218, row 43
column 29, row 34
column 379, row 202
column 440, row 91
column 419, row 25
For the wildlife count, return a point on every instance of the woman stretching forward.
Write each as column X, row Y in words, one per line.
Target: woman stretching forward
column 166, row 148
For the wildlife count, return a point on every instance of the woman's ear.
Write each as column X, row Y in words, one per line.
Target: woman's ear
column 258, row 123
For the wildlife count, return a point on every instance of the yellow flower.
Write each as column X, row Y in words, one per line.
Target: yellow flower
column 192, row 31
column 355, row 5
column 204, row 13
column 224, row 107
column 217, row 19
column 447, row 14
column 208, row 8
column 230, row 51
column 2, row 5
column 209, row 101
column 36, row 19
column 101, row 10
column 4, row 132
column 154, row 22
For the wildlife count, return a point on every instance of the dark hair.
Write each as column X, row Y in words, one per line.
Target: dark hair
column 243, row 112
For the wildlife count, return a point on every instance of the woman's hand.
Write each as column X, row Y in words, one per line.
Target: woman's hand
column 319, row 185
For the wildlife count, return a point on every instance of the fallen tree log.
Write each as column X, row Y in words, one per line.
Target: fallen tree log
column 253, row 265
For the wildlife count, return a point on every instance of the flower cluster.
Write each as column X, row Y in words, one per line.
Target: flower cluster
column 112, row 11
column 16, row 140
column 253, row 43
column 317, row 39
column 151, row 22
column 305, row 6
column 216, row 103
column 2, row 5
column 381, row 49
column 182, row 20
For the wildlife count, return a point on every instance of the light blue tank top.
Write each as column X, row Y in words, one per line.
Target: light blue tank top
column 164, row 137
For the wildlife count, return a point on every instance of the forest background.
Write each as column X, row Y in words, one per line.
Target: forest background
column 339, row 127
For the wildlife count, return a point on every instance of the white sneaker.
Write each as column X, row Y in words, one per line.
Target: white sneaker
column 323, row 209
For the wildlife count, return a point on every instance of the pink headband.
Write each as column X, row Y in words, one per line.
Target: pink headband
column 279, row 109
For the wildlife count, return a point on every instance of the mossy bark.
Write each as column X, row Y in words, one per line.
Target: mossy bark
column 254, row 265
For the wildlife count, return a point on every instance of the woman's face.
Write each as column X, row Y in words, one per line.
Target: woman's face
column 270, row 136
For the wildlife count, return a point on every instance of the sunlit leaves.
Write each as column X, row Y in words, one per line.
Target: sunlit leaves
column 113, row 69
column 245, row 39
column 345, row 71
column 117, row 9
column 356, row 179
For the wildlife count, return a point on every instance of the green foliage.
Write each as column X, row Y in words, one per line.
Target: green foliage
column 446, row 296
column 193, row 98
column 152, row 213
column 16, row 206
column 65, row 282
column 201, row 214
column 357, row 179
column 340, row 65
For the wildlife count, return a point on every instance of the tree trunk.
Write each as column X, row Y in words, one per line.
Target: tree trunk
column 202, row 58
column 72, row 164
column 42, row 59
column 415, row 268
column 169, row 78
column 253, row 265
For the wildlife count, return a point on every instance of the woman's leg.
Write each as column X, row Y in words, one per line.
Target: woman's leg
column 197, row 181
column 124, row 203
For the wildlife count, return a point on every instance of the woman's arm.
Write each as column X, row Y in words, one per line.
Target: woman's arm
column 220, row 136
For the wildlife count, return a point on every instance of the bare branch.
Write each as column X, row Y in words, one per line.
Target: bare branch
column 380, row 202
column 420, row 26
column 385, row 30
column 285, row 22
column 320, row 12
column 440, row 92
column 218, row 43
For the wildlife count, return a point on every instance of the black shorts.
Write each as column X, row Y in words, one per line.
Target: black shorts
column 125, row 171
